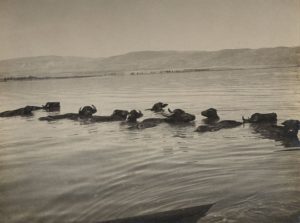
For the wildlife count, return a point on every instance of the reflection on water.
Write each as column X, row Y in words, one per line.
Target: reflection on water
column 67, row 171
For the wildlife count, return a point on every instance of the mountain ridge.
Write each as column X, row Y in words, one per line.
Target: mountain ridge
column 151, row 60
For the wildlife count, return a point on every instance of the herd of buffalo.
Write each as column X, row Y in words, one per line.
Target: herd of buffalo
column 264, row 124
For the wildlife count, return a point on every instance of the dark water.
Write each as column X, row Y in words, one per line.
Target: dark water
column 69, row 171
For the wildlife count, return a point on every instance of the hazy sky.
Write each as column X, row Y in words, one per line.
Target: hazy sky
column 97, row 28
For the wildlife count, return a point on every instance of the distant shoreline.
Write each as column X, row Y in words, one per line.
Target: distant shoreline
column 143, row 72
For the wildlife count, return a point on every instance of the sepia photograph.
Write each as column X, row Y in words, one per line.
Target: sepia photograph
column 149, row 111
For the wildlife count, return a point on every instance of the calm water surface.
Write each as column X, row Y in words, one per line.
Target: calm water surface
column 68, row 171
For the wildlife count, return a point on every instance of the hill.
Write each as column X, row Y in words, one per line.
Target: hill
column 231, row 58
column 151, row 60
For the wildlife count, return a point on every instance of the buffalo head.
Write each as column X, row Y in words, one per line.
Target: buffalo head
column 134, row 115
column 158, row 107
column 291, row 127
column 52, row 106
column 120, row 114
column 178, row 115
column 210, row 113
column 87, row 110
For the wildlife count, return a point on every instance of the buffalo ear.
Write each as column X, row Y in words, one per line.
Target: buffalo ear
column 95, row 109
column 290, row 122
column 170, row 110
column 287, row 123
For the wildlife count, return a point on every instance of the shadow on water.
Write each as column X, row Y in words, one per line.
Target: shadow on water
column 294, row 142
column 265, row 133
column 185, row 215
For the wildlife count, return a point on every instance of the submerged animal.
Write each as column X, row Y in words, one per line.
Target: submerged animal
column 87, row 111
column 288, row 129
column 84, row 113
column 25, row 111
column 225, row 124
column 149, row 123
column 184, row 215
column 117, row 115
column 133, row 116
column 286, row 133
column 211, row 115
column 178, row 116
column 260, row 118
column 213, row 123
column 158, row 107
column 146, row 123
column 51, row 106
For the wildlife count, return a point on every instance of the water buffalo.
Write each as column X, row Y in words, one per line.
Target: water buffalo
column 51, row 106
column 117, row 115
column 261, row 118
column 225, row 124
column 71, row 116
column 287, row 132
column 26, row 111
column 87, row 111
column 288, row 129
column 211, row 116
column 179, row 116
column 158, row 107
column 146, row 123
column 84, row 113
column 213, row 123
column 149, row 123
column 133, row 116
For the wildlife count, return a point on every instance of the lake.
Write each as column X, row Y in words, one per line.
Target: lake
column 69, row 171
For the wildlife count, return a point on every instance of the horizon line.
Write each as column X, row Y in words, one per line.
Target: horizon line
column 128, row 52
